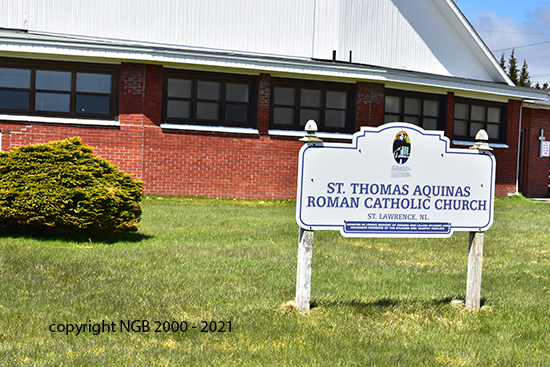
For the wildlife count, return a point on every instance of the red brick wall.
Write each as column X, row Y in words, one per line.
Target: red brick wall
column 233, row 165
column 122, row 146
column 506, row 158
column 241, row 165
column 18, row 134
column 535, row 172
column 179, row 163
column 369, row 105
column 216, row 164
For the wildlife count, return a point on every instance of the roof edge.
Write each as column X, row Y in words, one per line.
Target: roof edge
column 17, row 44
column 474, row 39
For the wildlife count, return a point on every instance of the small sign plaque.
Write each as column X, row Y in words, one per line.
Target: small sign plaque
column 545, row 148
column 396, row 180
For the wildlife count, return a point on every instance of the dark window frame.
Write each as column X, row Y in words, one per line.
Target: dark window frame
column 224, row 79
column 470, row 135
column 324, row 87
column 440, row 98
column 73, row 68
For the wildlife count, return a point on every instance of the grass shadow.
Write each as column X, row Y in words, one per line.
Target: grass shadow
column 43, row 233
column 388, row 303
column 384, row 302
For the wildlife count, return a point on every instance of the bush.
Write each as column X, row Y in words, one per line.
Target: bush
column 62, row 184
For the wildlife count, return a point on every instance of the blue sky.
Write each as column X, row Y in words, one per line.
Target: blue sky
column 520, row 24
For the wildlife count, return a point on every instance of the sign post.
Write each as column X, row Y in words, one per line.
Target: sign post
column 475, row 247
column 305, row 239
column 475, row 259
column 396, row 180
column 303, row 276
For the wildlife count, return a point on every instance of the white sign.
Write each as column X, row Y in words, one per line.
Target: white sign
column 396, row 180
column 545, row 148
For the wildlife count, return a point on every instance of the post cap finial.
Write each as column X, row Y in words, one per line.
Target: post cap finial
column 481, row 141
column 311, row 129
column 311, row 126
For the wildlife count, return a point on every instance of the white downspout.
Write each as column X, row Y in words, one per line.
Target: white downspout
column 519, row 151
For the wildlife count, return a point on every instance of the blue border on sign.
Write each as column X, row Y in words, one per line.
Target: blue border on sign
column 433, row 228
column 354, row 146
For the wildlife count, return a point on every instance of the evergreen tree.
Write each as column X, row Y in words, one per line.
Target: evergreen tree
column 545, row 86
column 513, row 70
column 537, row 86
column 502, row 62
column 524, row 78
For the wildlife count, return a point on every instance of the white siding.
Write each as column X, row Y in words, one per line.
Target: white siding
column 14, row 14
column 282, row 27
column 399, row 34
column 427, row 36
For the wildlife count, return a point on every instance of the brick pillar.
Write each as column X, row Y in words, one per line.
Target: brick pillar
column 140, row 109
column 153, row 94
column 369, row 105
column 506, row 158
column 132, row 89
column 450, row 115
column 264, row 101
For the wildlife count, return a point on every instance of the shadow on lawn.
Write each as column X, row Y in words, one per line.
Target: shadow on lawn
column 388, row 302
column 70, row 235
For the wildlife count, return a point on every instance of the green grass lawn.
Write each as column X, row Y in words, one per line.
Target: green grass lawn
column 376, row 302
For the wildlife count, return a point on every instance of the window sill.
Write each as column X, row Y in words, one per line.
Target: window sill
column 60, row 120
column 471, row 143
column 299, row 134
column 215, row 129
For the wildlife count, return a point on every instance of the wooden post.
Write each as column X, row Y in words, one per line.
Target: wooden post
column 475, row 250
column 303, row 276
column 305, row 246
column 475, row 259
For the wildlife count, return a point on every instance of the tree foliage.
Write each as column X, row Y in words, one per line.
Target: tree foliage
column 502, row 62
column 513, row 71
column 524, row 78
column 521, row 77
column 63, row 184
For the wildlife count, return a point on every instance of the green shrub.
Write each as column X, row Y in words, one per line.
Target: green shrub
column 62, row 184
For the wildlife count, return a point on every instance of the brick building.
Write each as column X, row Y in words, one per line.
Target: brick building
column 209, row 97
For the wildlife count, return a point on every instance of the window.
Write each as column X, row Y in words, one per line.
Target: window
column 209, row 99
column 293, row 103
column 58, row 89
column 473, row 115
column 424, row 110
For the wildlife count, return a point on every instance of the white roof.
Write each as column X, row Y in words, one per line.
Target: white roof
column 422, row 42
